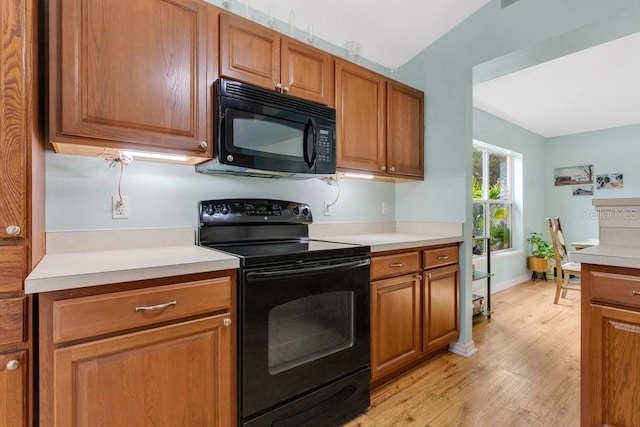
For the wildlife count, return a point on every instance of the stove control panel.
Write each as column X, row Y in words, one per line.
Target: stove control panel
column 226, row 211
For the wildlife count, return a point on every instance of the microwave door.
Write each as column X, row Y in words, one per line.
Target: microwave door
column 310, row 143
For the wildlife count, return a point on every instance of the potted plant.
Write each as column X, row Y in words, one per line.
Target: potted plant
column 541, row 252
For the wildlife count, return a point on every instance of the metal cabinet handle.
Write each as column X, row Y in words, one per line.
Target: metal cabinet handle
column 383, row 168
column 636, row 292
column 13, row 364
column 443, row 256
column 418, row 276
column 285, row 89
column 13, row 230
column 204, row 145
column 279, row 88
column 429, row 275
column 392, row 169
column 156, row 307
column 396, row 264
column 226, row 321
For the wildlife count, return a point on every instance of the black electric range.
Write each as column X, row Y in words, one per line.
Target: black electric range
column 261, row 231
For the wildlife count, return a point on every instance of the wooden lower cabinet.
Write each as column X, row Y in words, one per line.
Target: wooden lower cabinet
column 610, row 359
column 414, row 308
column 13, row 380
column 177, row 375
column 441, row 307
column 170, row 362
column 396, row 333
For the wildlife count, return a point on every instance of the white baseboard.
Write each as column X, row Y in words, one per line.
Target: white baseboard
column 509, row 283
column 467, row 349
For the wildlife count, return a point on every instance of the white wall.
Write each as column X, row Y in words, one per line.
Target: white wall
column 609, row 151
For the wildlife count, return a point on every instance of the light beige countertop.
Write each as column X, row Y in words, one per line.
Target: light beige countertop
column 381, row 242
column 81, row 269
column 612, row 255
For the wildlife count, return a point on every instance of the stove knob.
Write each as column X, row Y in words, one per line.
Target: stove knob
column 296, row 210
column 225, row 210
column 209, row 210
column 305, row 211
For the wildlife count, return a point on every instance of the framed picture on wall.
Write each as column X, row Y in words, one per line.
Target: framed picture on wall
column 573, row 175
column 583, row 190
column 609, row 181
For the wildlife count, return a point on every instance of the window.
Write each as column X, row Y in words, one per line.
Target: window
column 492, row 189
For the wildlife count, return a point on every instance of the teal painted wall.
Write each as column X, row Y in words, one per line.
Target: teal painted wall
column 609, row 151
column 444, row 71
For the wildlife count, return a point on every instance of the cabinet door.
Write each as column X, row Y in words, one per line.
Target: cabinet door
column 13, row 117
column 130, row 74
column 249, row 52
column 405, row 131
column 360, row 108
column 307, row 72
column 395, row 324
column 441, row 307
column 13, row 388
column 614, row 358
column 177, row 375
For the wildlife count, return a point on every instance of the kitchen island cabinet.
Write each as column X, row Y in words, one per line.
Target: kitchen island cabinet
column 158, row 352
column 260, row 56
column 132, row 75
column 414, row 308
column 610, row 345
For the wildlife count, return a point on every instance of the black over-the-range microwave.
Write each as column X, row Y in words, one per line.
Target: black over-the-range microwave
column 259, row 132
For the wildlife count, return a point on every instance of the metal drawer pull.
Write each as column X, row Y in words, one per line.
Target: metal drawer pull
column 443, row 256
column 156, row 307
column 396, row 264
column 12, row 365
column 636, row 292
column 226, row 321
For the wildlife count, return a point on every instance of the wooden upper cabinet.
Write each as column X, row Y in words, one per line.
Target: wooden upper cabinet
column 405, row 130
column 132, row 74
column 257, row 55
column 360, row 108
column 249, row 52
column 380, row 124
column 307, row 72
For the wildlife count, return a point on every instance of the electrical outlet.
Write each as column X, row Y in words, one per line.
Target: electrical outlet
column 385, row 208
column 327, row 208
column 119, row 208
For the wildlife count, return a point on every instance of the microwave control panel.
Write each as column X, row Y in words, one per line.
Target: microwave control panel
column 325, row 146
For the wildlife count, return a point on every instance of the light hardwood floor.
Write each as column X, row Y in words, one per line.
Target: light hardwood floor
column 526, row 371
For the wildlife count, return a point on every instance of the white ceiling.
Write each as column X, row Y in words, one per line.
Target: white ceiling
column 597, row 88
column 390, row 32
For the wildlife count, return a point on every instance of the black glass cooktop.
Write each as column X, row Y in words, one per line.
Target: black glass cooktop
column 276, row 252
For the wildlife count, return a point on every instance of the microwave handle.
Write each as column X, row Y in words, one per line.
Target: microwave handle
column 310, row 132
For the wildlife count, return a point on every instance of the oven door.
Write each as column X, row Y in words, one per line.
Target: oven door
column 301, row 328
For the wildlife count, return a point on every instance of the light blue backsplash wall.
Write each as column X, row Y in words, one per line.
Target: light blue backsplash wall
column 614, row 150
column 79, row 191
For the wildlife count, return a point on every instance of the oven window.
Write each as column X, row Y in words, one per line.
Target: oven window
column 309, row 328
column 267, row 135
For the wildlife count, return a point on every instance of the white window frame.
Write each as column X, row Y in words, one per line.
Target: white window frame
column 485, row 201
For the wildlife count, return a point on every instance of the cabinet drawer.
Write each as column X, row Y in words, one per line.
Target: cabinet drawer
column 615, row 288
column 12, row 268
column 441, row 256
column 12, row 320
column 394, row 265
column 101, row 314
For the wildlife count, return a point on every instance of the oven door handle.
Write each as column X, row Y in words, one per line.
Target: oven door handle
column 264, row 275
